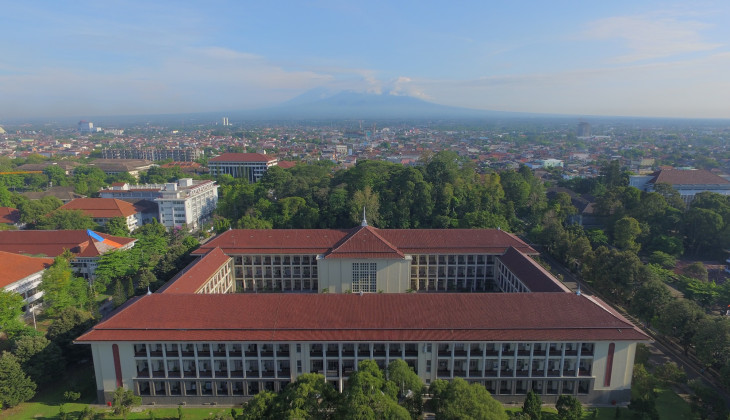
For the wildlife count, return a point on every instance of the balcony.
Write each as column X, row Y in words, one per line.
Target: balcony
column 491, row 372
column 553, row 373
column 267, row 373
column 283, row 373
column 144, row 373
column 443, row 373
column 584, row 372
column 586, row 350
column 461, row 373
column 506, row 373
column 568, row 372
column 475, row 373
column 523, row 373
column 237, row 373
column 206, row 373
column 253, row 373
column 158, row 373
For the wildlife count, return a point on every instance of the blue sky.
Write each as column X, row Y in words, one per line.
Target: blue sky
column 633, row 58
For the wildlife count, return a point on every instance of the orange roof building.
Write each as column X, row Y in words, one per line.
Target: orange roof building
column 103, row 209
column 22, row 274
column 87, row 246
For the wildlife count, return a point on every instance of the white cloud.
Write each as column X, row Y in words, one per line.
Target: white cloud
column 651, row 37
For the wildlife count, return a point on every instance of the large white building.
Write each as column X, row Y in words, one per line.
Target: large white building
column 197, row 342
column 187, row 203
column 251, row 166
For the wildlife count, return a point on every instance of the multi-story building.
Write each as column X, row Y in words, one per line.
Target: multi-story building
column 688, row 182
column 86, row 245
column 251, row 166
column 154, row 154
column 232, row 346
column 187, row 203
column 23, row 275
column 534, row 336
column 367, row 259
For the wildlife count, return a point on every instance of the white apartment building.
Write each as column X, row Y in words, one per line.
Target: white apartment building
column 251, row 166
column 187, row 203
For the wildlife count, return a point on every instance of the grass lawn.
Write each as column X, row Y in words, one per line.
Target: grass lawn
column 671, row 406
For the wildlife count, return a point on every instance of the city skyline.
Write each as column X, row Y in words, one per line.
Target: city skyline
column 649, row 59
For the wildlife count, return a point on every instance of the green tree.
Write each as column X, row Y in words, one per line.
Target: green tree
column 117, row 226
column 66, row 326
column 123, row 400
column 410, row 386
column 680, row 319
column 11, row 307
column 61, row 289
column 34, row 211
column 309, row 397
column 66, row 220
column 40, row 358
column 15, row 386
column 625, row 232
column 458, row 399
column 702, row 229
column 532, row 406
column 670, row 374
column 368, row 200
column 663, row 259
column 649, row 299
column 712, row 341
column 696, row 270
column 569, row 408
column 259, row 407
column 368, row 395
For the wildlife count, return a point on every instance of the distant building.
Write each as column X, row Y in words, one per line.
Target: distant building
column 86, row 245
column 65, row 194
column 22, row 274
column 187, row 203
column 688, row 182
column 251, row 166
column 154, row 154
column 86, row 127
column 584, row 130
column 116, row 166
column 101, row 210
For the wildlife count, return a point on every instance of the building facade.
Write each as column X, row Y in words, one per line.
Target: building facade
column 367, row 259
column 233, row 346
column 101, row 210
column 187, row 154
column 251, row 166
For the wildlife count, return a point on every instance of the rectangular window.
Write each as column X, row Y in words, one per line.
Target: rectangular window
column 364, row 277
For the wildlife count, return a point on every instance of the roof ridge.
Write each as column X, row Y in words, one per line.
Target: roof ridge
column 356, row 232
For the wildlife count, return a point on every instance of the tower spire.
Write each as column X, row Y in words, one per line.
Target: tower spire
column 364, row 221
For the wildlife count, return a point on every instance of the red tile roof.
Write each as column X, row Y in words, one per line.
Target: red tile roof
column 104, row 208
column 9, row 215
column 286, row 164
column 52, row 243
column 16, row 267
column 687, row 177
column 371, row 317
column 197, row 273
column 242, row 157
column 532, row 274
column 403, row 241
column 364, row 242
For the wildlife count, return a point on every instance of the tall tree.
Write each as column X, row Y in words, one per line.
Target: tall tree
column 458, row 399
column 532, row 406
column 11, row 307
column 680, row 319
column 40, row 358
column 15, row 386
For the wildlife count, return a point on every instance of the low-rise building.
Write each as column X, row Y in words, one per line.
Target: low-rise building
column 688, row 182
column 23, row 274
column 101, row 210
column 86, row 245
